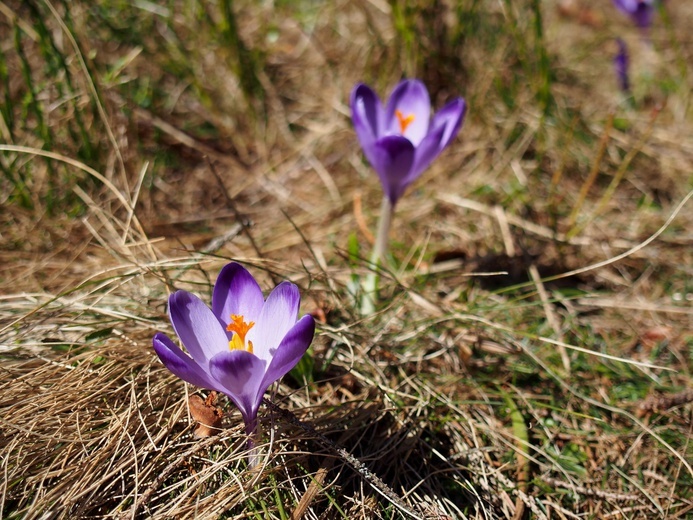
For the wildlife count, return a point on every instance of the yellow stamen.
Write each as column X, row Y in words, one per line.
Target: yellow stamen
column 404, row 122
column 240, row 328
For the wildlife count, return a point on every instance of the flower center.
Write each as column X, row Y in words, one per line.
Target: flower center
column 240, row 328
column 404, row 122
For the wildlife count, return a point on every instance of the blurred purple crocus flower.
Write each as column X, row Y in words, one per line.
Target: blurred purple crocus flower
column 621, row 63
column 242, row 345
column 640, row 11
column 401, row 140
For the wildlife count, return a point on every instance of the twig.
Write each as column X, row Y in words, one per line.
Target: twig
column 609, row 495
column 315, row 486
column 217, row 243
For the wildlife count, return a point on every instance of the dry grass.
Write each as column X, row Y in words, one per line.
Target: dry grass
column 160, row 147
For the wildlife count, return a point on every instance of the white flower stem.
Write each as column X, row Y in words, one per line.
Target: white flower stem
column 254, row 433
column 370, row 286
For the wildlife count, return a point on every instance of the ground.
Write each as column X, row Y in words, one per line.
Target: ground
column 531, row 350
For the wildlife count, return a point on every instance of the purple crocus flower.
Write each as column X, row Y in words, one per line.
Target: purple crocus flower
column 242, row 345
column 401, row 140
column 621, row 62
column 640, row 11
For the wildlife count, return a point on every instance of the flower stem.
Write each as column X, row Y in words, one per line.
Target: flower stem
column 370, row 286
column 254, row 433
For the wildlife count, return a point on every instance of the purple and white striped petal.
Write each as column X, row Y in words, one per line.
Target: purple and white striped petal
column 444, row 128
column 426, row 152
column 289, row 352
column 236, row 292
column 451, row 116
column 202, row 334
column 180, row 364
column 277, row 317
column 239, row 373
column 367, row 114
column 409, row 99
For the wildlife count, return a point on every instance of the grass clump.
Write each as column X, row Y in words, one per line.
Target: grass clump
column 531, row 351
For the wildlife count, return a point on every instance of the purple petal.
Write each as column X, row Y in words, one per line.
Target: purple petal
column 621, row 65
column 367, row 115
column 643, row 15
column 180, row 363
column 289, row 352
column 239, row 373
column 445, row 126
column 451, row 116
column 641, row 12
column 278, row 316
column 202, row 334
column 627, row 6
column 427, row 151
column 236, row 292
column 410, row 97
column 393, row 158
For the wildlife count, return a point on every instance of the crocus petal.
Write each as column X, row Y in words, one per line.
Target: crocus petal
column 643, row 15
column 239, row 373
column 627, row 6
column 621, row 65
column 180, row 363
column 451, row 116
column 367, row 113
column 393, row 158
column 444, row 127
column 641, row 12
column 236, row 292
column 277, row 317
column 427, row 151
column 289, row 352
column 410, row 97
column 202, row 334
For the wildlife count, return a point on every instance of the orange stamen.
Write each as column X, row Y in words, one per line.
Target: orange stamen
column 240, row 328
column 404, row 122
